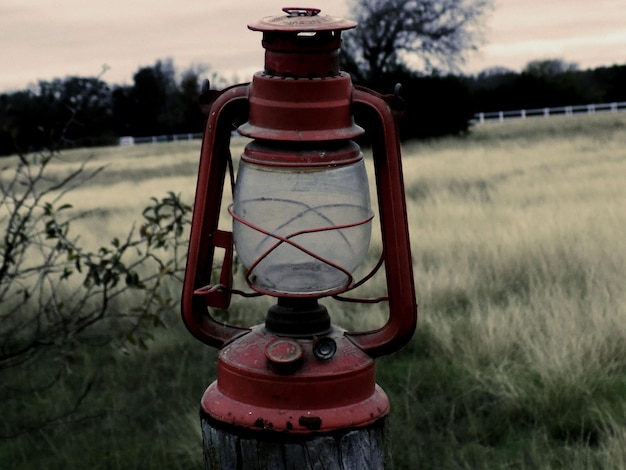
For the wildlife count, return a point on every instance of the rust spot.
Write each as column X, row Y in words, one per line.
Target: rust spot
column 312, row 423
column 259, row 423
column 289, row 426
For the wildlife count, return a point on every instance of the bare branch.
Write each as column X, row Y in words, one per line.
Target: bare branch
column 395, row 33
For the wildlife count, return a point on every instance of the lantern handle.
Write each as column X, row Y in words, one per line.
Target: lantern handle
column 301, row 11
column 379, row 115
column 222, row 110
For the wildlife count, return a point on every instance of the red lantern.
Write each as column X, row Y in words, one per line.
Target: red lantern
column 301, row 226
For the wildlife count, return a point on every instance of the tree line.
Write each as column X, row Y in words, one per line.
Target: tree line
column 86, row 111
column 546, row 83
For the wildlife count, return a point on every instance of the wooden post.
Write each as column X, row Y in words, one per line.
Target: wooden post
column 227, row 448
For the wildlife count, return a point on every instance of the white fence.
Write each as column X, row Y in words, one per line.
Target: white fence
column 549, row 112
column 129, row 140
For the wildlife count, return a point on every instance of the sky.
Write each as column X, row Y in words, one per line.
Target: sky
column 45, row 39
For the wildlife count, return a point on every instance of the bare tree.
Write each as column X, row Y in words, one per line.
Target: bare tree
column 416, row 34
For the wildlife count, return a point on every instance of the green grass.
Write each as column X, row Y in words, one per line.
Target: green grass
column 520, row 356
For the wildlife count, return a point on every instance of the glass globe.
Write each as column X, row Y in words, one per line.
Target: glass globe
column 301, row 228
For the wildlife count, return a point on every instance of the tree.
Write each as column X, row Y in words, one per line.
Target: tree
column 609, row 81
column 153, row 97
column 69, row 112
column 191, row 119
column 88, row 101
column 159, row 102
column 548, row 68
column 551, row 82
column 420, row 34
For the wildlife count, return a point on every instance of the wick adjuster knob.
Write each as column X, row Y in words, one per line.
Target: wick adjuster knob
column 284, row 354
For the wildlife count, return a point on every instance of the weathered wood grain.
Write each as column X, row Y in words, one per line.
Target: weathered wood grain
column 355, row 449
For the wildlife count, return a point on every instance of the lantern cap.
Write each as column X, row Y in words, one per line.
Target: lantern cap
column 299, row 19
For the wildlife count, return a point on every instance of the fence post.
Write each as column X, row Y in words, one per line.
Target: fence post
column 355, row 449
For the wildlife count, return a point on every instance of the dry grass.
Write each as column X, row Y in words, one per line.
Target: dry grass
column 520, row 266
column 527, row 237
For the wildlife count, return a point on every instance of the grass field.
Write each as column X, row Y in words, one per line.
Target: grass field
column 520, row 356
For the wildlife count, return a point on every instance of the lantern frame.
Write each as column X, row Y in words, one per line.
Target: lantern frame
column 377, row 113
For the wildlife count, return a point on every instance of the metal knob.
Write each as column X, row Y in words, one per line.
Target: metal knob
column 324, row 348
column 284, row 354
